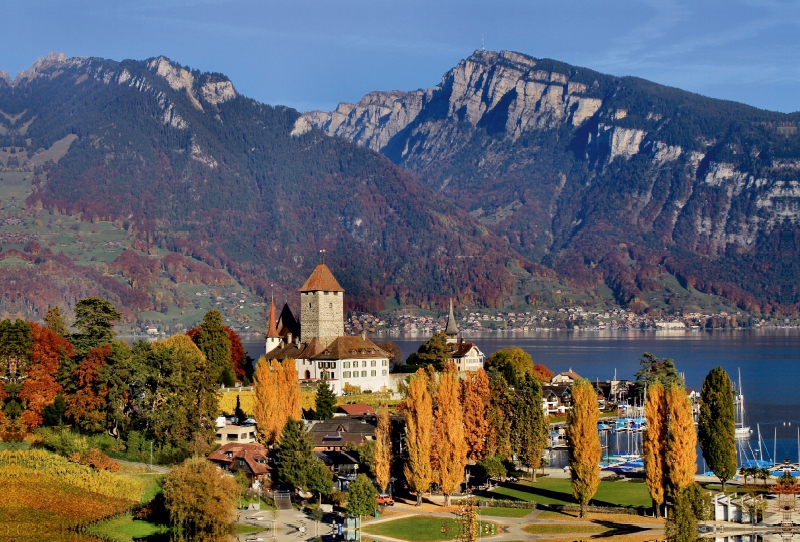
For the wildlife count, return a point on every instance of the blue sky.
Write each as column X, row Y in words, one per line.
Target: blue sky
column 314, row 54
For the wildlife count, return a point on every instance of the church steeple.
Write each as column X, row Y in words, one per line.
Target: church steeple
column 273, row 338
column 452, row 328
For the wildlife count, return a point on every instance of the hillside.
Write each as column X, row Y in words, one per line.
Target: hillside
column 180, row 171
column 616, row 183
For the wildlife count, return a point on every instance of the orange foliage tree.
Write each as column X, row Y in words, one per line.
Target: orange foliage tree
column 85, row 406
column 475, row 400
column 451, row 447
column 40, row 387
column 418, row 413
column 277, row 398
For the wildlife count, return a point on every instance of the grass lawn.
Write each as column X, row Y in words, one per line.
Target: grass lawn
column 151, row 482
column 417, row 529
column 559, row 491
column 126, row 529
column 505, row 512
column 241, row 528
column 543, row 528
column 621, row 519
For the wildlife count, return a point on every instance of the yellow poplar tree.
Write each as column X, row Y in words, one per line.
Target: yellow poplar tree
column 475, row 400
column 584, row 442
column 291, row 390
column 266, row 402
column 451, row 447
column 383, row 450
column 419, row 417
column 682, row 441
column 655, row 443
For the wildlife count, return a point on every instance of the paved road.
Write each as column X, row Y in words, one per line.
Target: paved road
column 154, row 468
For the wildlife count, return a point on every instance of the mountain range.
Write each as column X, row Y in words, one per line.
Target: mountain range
column 512, row 174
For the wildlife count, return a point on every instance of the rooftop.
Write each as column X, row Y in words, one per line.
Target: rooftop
column 321, row 280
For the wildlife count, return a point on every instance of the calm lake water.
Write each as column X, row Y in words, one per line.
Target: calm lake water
column 769, row 360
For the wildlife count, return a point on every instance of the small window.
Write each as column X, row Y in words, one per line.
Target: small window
column 383, row 372
column 363, row 374
column 364, row 363
column 374, row 373
column 346, row 364
column 330, row 305
column 309, row 304
column 346, row 374
column 385, row 362
column 374, row 363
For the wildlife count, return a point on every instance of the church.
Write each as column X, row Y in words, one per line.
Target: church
column 317, row 343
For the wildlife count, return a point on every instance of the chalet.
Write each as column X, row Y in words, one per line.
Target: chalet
column 567, row 377
column 343, row 464
column 251, row 458
column 557, row 398
column 339, row 433
column 466, row 356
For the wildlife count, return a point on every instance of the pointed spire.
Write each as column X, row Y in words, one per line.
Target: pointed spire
column 272, row 328
column 452, row 327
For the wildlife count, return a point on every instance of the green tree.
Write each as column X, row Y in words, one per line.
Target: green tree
column 213, row 341
column 294, row 461
column 94, row 319
column 200, row 499
column 584, row 442
column 16, row 347
column 53, row 414
column 54, row 321
column 513, row 363
column 493, row 466
column 529, row 426
column 319, row 478
column 325, row 403
column 716, row 428
column 361, row 497
column 435, row 352
column 652, row 369
column 681, row 521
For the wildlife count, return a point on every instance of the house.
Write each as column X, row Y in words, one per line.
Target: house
column 250, row 458
column 359, row 409
column 567, row 377
column 317, row 343
column 339, row 433
column 343, row 464
column 236, row 433
column 558, row 398
column 466, row 356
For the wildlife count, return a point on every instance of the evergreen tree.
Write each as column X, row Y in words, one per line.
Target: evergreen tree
column 293, row 455
column 325, row 403
column 512, row 362
column 682, row 523
column 584, row 443
column 419, row 416
column 655, row 444
column 682, row 440
column 652, row 369
column 214, row 342
column 53, row 414
column 361, row 495
column 716, row 428
column 319, row 478
column 54, row 321
column 435, row 352
column 529, row 426
column 94, row 320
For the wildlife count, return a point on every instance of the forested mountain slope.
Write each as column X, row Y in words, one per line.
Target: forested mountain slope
column 608, row 180
column 182, row 162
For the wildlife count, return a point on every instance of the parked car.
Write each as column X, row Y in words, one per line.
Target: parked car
column 385, row 500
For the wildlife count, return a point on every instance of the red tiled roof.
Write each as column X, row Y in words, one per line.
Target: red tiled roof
column 359, row 409
column 460, row 350
column 272, row 327
column 351, row 347
column 251, row 453
column 321, row 280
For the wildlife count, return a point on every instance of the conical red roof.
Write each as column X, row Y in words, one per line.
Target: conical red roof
column 272, row 327
column 321, row 280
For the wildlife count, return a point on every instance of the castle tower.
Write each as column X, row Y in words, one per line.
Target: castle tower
column 273, row 338
column 321, row 307
column 452, row 328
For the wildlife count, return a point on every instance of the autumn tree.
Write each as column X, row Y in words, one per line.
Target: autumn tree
column 500, row 416
column 435, row 352
column 40, row 387
column 584, row 443
column 529, row 425
column 214, row 342
column 418, row 415
column 475, row 401
column 542, row 372
column 513, row 362
column 395, row 354
column 277, row 398
column 239, row 359
column 716, row 429
column 85, row 407
column 681, row 455
column 655, row 444
column 451, row 447
column 383, row 450
column 200, row 499
column 54, row 321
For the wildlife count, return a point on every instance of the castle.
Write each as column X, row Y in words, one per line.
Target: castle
column 318, row 344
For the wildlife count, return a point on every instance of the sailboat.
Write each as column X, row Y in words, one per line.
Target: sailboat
column 742, row 431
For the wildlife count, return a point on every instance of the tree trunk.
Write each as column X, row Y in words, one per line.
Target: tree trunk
column 419, row 498
column 583, row 510
column 533, row 475
column 723, row 484
column 447, row 499
column 656, row 509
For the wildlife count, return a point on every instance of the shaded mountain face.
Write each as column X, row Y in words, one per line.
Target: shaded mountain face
column 186, row 164
column 605, row 179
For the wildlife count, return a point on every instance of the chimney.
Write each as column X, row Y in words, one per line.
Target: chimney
column 289, row 338
column 364, row 334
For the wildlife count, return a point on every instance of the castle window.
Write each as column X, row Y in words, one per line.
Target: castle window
column 330, row 305
column 346, row 374
column 325, row 293
column 383, row 373
column 363, row 374
column 385, row 362
column 374, row 373
column 374, row 363
column 364, row 364
column 309, row 304
column 346, row 364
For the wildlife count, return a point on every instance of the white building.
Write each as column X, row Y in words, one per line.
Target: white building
column 317, row 343
column 466, row 356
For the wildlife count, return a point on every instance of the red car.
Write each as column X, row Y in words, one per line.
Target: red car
column 385, row 500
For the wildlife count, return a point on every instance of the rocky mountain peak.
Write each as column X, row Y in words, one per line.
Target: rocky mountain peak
column 42, row 64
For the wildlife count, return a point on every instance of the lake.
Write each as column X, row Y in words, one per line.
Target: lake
column 769, row 360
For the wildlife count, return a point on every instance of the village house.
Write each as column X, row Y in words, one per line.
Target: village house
column 318, row 344
column 339, row 433
column 251, row 458
column 343, row 464
column 466, row 356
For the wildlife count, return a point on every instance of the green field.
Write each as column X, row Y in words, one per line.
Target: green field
column 505, row 512
column 126, row 529
column 559, row 491
column 418, row 529
column 543, row 528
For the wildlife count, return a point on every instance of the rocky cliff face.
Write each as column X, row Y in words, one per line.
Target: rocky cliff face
column 568, row 165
